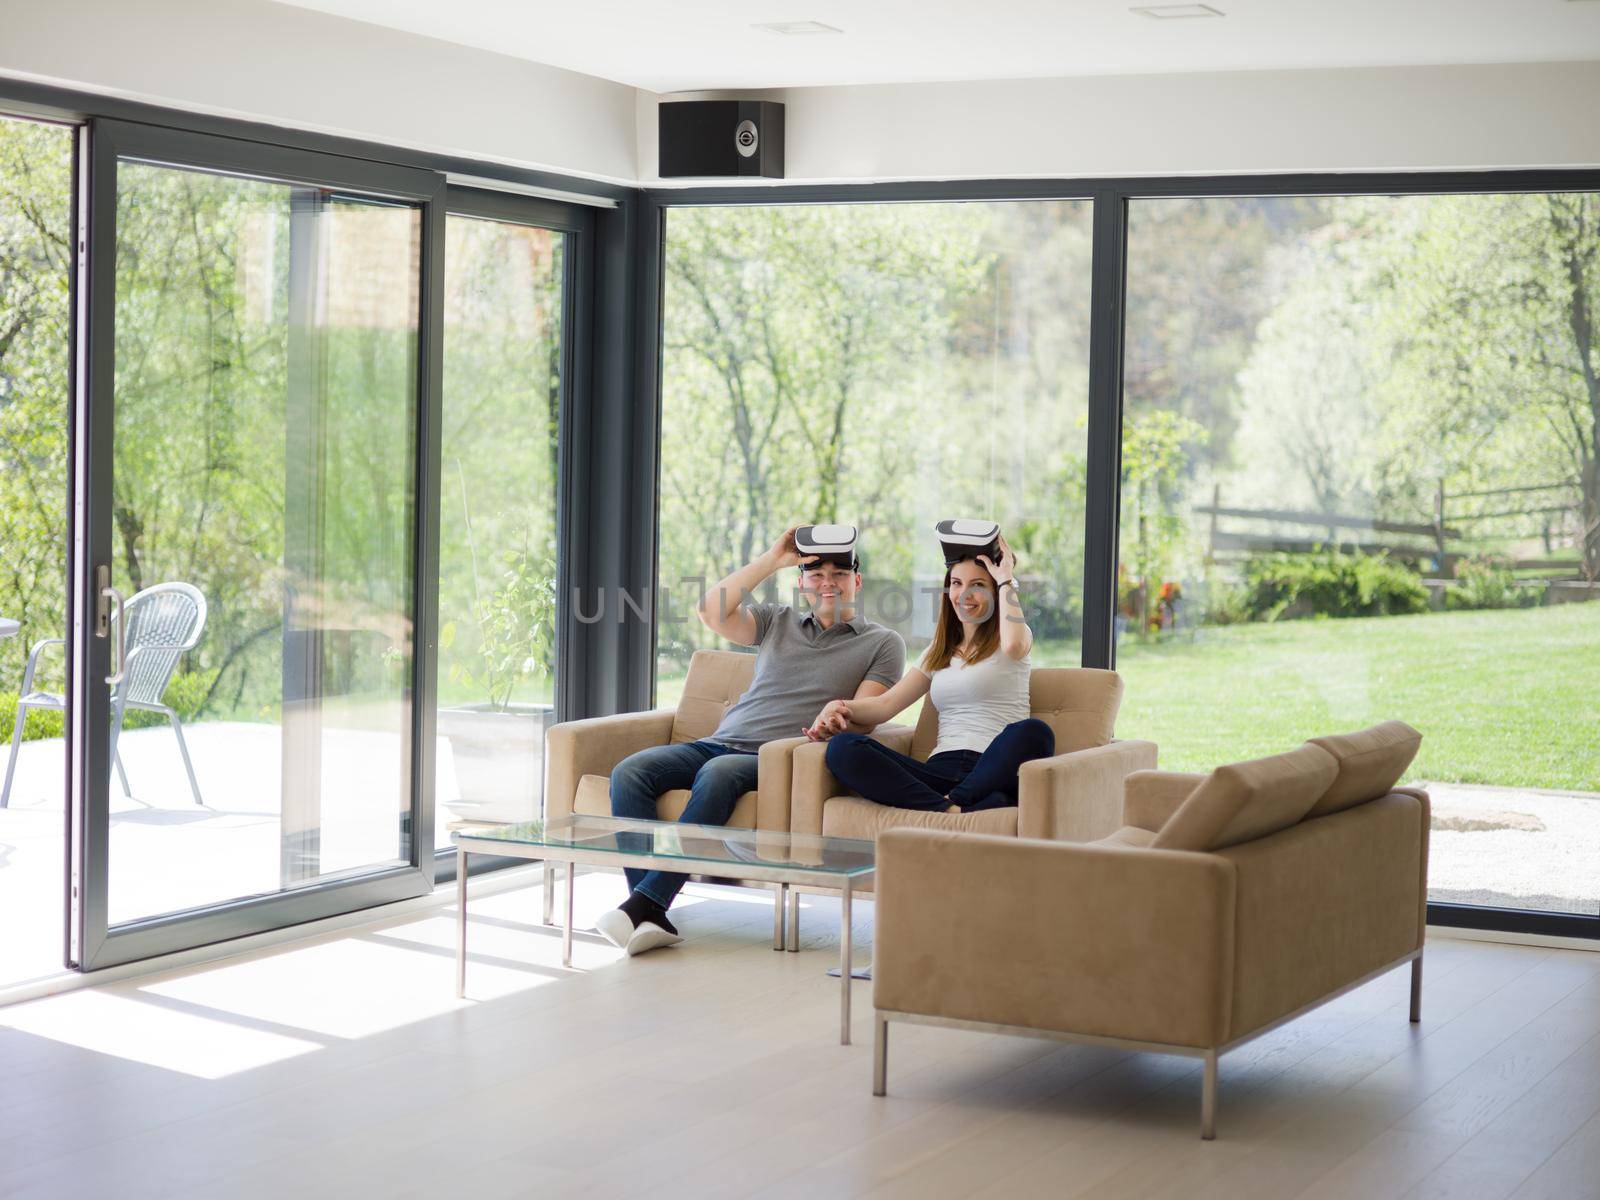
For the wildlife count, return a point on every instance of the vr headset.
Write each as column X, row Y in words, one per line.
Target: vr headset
column 961, row 539
column 834, row 544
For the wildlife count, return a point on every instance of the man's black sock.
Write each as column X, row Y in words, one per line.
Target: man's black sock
column 640, row 908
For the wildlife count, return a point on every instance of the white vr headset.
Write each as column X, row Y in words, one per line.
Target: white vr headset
column 963, row 538
column 828, row 543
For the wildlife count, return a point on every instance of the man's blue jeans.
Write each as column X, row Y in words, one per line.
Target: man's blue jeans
column 716, row 776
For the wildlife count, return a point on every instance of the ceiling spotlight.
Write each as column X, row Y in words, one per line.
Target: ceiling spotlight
column 1176, row 12
column 796, row 28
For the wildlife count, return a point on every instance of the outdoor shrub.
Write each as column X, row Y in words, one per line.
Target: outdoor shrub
column 185, row 693
column 1227, row 604
column 41, row 723
column 1331, row 584
column 1486, row 583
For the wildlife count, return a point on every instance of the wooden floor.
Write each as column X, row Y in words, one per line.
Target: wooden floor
column 344, row 1067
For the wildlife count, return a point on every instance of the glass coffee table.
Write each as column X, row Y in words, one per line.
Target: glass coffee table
column 785, row 860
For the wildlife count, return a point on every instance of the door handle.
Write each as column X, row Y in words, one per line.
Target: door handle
column 111, row 598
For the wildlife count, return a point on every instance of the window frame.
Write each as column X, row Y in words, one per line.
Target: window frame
column 1111, row 197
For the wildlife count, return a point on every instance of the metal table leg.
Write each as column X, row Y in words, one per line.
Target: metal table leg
column 844, row 964
column 549, row 892
column 566, row 928
column 794, row 920
column 461, row 923
column 780, row 902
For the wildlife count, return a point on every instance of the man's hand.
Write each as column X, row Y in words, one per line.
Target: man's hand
column 834, row 718
column 784, row 553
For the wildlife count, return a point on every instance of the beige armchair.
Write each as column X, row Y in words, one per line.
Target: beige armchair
column 1074, row 796
column 1225, row 905
column 581, row 754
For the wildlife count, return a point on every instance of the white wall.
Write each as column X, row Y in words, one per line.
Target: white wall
column 1377, row 119
column 294, row 67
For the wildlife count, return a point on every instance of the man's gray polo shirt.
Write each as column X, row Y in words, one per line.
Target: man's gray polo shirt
column 800, row 666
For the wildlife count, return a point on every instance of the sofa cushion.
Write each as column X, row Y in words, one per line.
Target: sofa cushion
column 1131, row 836
column 716, row 679
column 852, row 817
column 1247, row 800
column 1371, row 762
column 594, row 800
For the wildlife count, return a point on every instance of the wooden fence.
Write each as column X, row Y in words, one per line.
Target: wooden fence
column 1431, row 552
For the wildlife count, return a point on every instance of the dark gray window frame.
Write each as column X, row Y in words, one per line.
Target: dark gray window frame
column 362, row 166
column 611, row 524
column 94, row 943
column 1111, row 197
column 577, row 225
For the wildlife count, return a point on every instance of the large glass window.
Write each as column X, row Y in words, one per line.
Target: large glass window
column 1359, row 481
column 497, row 518
column 881, row 365
column 35, row 316
column 263, row 511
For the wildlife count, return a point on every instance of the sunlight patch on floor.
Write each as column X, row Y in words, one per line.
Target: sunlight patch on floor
column 123, row 1026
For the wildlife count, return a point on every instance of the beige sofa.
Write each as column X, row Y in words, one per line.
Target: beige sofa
column 581, row 754
column 1075, row 796
column 1225, row 905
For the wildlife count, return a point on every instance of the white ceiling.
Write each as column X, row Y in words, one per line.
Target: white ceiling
column 680, row 45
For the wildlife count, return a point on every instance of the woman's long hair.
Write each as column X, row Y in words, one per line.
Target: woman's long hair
column 947, row 631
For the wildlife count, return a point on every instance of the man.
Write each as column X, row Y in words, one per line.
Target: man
column 803, row 661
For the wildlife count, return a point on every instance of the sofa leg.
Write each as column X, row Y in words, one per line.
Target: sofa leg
column 880, row 1054
column 1416, row 988
column 1208, row 1098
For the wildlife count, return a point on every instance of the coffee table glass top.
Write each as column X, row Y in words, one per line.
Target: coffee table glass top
column 710, row 846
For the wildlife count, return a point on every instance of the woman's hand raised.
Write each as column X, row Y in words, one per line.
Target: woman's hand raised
column 1005, row 570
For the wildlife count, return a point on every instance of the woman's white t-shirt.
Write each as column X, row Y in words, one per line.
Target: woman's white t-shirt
column 977, row 700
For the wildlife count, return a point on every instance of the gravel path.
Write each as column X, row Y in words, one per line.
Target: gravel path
column 1515, row 847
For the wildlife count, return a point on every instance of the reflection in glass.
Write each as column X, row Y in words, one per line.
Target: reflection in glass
column 497, row 520
column 264, row 454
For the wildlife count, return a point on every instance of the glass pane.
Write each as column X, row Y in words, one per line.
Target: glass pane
column 721, row 848
column 497, row 524
column 1359, row 483
column 263, row 504
column 886, row 366
column 35, row 315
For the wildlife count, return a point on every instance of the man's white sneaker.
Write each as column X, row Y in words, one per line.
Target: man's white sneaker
column 650, row 936
column 617, row 927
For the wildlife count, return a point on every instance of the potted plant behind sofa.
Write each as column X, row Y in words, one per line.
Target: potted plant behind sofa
column 497, row 742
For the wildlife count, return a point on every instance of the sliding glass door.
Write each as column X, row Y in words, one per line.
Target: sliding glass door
column 252, row 473
column 511, row 264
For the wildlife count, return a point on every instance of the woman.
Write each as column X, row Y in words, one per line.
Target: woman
column 976, row 674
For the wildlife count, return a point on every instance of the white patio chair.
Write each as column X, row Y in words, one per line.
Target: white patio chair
column 164, row 621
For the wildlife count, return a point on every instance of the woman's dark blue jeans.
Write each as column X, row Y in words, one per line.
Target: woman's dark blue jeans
column 962, row 777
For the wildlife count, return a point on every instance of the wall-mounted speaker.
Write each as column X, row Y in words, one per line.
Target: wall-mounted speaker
column 721, row 139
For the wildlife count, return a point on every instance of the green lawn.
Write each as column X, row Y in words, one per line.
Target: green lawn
column 1509, row 697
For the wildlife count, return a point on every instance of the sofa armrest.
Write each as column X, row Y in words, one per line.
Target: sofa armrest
column 593, row 747
column 1077, row 797
column 775, row 783
column 1150, row 797
column 814, row 785
column 1072, row 938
